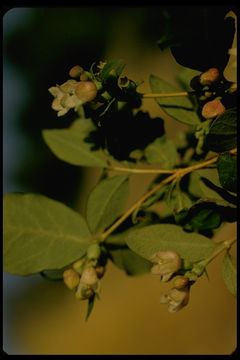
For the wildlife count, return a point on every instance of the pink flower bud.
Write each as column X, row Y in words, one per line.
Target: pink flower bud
column 180, row 282
column 212, row 109
column 76, row 71
column 209, row 77
column 86, row 91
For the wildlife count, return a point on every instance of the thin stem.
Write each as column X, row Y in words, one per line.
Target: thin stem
column 141, row 171
column 225, row 245
column 158, row 95
column 135, row 206
column 177, row 174
column 203, row 164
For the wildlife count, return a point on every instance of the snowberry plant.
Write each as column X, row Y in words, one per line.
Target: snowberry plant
column 169, row 231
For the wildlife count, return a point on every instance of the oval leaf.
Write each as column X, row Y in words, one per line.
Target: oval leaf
column 229, row 273
column 227, row 171
column 106, row 201
column 41, row 234
column 222, row 134
column 150, row 239
column 69, row 145
column 162, row 151
column 130, row 262
column 123, row 257
column 179, row 107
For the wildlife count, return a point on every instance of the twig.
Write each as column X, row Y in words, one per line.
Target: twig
column 177, row 174
column 158, row 95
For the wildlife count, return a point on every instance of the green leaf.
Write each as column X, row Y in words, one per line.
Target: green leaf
column 106, row 202
column 229, row 273
column 161, row 151
column 41, row 234
column 91, row 302
column 222, row 134
column 194, row 186
column 205, row 219
column 185, row 76
column 124, row 258
column 227, row 171
column 176, row 199
column 179, row 107
column 112, row 69
column 129, row 261
column 163, row 237
column 211, row 188
column 69, row 145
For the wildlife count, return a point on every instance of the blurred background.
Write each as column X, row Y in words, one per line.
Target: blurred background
column 40, row 45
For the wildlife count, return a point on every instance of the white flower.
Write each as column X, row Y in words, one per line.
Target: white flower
column 167, row 263
column 176, row 299
column 89, row 284
column 72, row 94
column 65, row 97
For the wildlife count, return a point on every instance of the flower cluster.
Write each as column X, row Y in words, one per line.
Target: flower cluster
column 72, row 94
column 177, row 297
column 166, row 264
column 85, row 274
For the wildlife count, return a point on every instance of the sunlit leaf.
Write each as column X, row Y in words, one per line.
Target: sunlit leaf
column 69, row 144
column 40, row 234
column 179, row 107
column 229, row 273
column 150, row 239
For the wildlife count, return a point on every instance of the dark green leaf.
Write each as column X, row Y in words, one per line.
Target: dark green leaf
column 179, row 107
column 112, row 69
column 41, row 234
column 53, row 275
column 106, row 202
column 91, row 302
column 130, row 262
column 205, row 219
column 150, row 239
column 227, row 171
column 222, row 134
column 69, row 145
column 197, row 30
column 162, row 151
column 229, row 273
column 212, row 190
